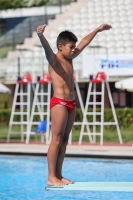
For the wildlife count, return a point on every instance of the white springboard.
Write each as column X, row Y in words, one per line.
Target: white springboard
column 96, row 186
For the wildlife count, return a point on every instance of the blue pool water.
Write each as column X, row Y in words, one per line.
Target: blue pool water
column 24, row 178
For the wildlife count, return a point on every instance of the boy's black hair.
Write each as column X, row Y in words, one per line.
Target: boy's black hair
column 66, row 36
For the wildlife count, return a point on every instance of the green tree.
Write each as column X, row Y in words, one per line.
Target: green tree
column 13, row 4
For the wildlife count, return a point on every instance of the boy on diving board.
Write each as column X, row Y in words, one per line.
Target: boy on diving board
column 63, row 103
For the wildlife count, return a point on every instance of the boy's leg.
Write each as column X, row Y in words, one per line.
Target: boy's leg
column 59, row 115
column 62, row 150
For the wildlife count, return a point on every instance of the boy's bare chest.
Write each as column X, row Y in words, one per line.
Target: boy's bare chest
column 63, row 70
column 66, row 69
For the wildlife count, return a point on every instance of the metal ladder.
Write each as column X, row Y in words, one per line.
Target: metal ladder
column 41, row 101
column 24, row 104
column 99, row 79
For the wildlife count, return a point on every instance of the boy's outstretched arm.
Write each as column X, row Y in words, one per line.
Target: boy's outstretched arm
column 48, row 51
column 87, row 39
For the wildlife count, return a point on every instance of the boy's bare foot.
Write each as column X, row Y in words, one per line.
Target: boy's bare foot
column 67, row 181
column 56, row 182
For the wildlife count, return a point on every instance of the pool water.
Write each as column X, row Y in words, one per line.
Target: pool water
column 24, row 178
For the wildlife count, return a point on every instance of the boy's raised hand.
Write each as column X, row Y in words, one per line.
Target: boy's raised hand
column 40, row 29
column 104, row 27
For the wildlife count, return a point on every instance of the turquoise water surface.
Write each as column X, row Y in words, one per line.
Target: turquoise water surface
column 24, row 178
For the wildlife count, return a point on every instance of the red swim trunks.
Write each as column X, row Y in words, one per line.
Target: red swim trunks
column 69, row 104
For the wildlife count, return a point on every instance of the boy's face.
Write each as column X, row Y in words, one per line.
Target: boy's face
column 68, row 49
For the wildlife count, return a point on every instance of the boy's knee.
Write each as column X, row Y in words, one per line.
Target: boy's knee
column 57, row 141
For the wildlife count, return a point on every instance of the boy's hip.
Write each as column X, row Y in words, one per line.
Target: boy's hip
column 69, row 104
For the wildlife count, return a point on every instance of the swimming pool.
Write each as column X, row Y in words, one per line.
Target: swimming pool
column 24, row 178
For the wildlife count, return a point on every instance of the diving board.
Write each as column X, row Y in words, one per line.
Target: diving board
column 96, row 186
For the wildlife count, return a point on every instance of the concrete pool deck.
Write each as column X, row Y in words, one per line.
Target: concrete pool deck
column 114, row 150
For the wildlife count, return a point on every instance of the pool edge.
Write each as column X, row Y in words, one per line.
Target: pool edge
column 107, row 156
